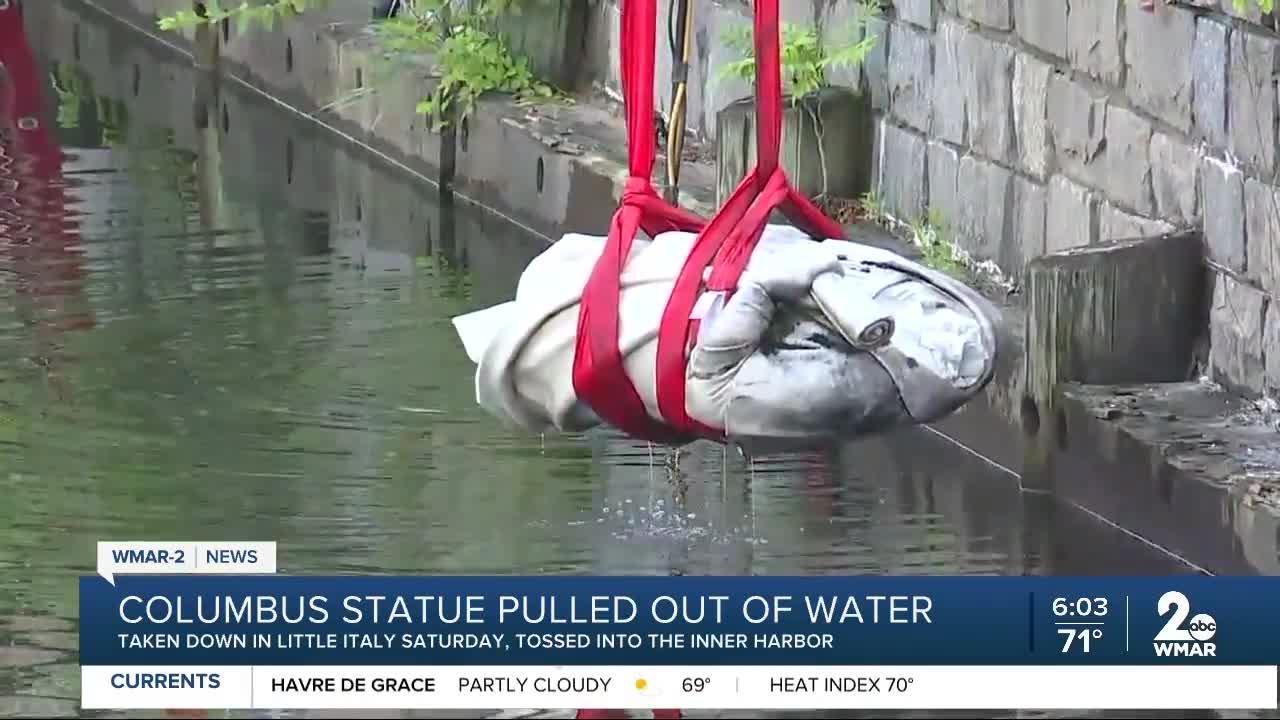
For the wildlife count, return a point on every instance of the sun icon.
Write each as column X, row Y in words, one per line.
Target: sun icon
column 643, row 687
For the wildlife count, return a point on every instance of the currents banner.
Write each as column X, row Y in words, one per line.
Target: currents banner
column 263, row 620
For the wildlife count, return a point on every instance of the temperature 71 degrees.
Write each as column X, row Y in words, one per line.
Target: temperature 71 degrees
column 1082, row 635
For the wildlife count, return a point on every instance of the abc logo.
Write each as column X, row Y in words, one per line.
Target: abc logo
column 1202, row 627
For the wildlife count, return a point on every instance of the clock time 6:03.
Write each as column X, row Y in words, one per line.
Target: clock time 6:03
column 1080, row 607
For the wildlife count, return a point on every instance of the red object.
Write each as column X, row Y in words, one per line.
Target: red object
column 620, row 715
column 31, row 184
column 731, row 236
column 32, row 189
column 725, row 243
column 599, row 377
column 35, row 231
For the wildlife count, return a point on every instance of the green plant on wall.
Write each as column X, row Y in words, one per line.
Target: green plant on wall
column 472, row 59
column 806, row 60
column 244, row 14
column 1265, row 6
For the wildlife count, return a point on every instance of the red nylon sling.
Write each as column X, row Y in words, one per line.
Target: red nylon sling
column 725, row 243
column 728, row 240
column 599, row 377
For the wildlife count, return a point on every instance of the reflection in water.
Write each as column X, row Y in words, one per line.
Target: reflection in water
column 237, row 330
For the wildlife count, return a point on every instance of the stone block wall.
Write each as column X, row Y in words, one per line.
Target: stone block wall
column 1041, row 126
column 1032, row 126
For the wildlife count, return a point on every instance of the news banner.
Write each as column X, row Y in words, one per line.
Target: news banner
column 211, row 625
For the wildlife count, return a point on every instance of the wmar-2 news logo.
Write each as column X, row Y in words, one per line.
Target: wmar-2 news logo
column 1179, row 639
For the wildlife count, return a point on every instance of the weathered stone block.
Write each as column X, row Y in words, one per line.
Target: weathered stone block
column 1128, row 176
column 827, row 144
column 910, row 75
column 902, row 171
column 1236, row 330
column 949, row 74
column 837, row 25
column 992, row 13
column 988, row 84
column 1223, row 189
column 1209, row 60
column 1251, row 93
column 918, row 12
column 1071, row 216
column 1077, row 124
column 1262, row 230
column 999, row 216
column 944, row 164
column 1175, row 179
column 1093, row 38
column 1027, row 239
column 984, row 194
column 875, row 66
column 1157, row 55
column 1030, row 118
column 1116, row 224
column 1042, row 24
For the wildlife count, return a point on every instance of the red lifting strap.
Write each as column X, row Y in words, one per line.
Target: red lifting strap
column 731, row 236
column 599, row 377
column 725, row 243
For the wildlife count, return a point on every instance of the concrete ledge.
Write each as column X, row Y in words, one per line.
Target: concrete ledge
column 560, row 168
column 1186, row 465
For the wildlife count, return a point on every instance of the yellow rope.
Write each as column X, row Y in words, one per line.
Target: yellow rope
column 675, row 128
